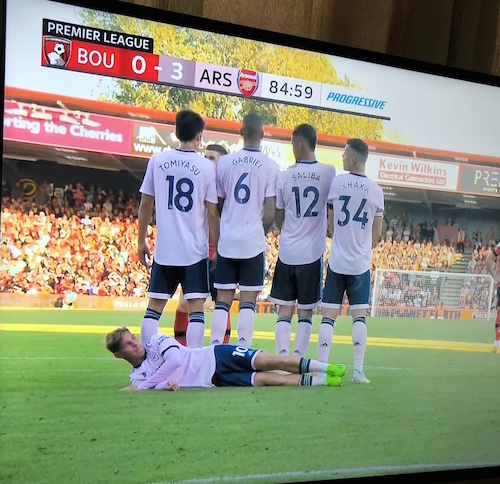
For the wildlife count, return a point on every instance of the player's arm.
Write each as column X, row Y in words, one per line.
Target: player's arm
column 220, row 205
column 376, row 230
column 490, row 265
column 280, row 217
column 269, row 213
column 145, row 214
column 168, row 371
column 378, row 220
column 329, row 220
column 213, row 222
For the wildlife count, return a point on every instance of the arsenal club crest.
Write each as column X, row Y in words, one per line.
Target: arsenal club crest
column 56, row 51
column 248, row 82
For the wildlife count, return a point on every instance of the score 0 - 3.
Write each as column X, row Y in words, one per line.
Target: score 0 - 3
column 291, row 90
column 112, row 61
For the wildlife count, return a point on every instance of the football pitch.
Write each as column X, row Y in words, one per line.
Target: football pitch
column 433, row 404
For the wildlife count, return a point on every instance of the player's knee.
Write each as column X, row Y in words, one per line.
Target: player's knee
column 157, row 305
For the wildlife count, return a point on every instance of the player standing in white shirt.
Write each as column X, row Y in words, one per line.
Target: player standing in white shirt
column 246, row 186
column 356, row 221
column 301, row 197
column 164, row 364
column 213, row 152
column 181, row 184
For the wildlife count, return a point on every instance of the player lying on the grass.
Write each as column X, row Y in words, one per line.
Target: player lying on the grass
column 164, row 364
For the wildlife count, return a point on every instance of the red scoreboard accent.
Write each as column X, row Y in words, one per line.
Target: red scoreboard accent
column 102, row 60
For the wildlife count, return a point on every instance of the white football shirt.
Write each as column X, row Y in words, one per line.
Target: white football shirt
column 302, row 192
column 244, row 180
column 356, row 201
column 180, row 182
column 169, row 361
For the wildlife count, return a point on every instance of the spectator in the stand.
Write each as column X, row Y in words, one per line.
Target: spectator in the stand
column 389, row 234
column 461, row 240
column 69, row 195
column 6, row 190
column 406, row 233
column 43, row 195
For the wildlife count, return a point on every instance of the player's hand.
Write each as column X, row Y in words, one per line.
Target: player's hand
column 145, row 254
column 130, row 388
column 172, row 387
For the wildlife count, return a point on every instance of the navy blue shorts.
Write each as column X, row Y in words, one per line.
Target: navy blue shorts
column 193, row 280
column 302, row 283
column 498, row 297
column 234, row 366
column 248, row 274
column 356, row 287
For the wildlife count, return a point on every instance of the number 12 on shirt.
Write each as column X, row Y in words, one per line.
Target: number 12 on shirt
column 310, row 209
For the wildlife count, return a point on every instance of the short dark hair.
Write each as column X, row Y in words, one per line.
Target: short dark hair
column 360, row 147
column 307, row 133
column 188, row 125
column 252, row 126
column 220, row 149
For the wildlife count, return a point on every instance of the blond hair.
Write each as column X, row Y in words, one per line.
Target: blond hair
column 114, row 339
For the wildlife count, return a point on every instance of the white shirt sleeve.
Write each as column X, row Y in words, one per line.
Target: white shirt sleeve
column 148, row 186
column 379, row 212
column 271, row 186
column 211, row 194
column 172, row 362
column 331, row 192
column 220, row 179
column 168, row 348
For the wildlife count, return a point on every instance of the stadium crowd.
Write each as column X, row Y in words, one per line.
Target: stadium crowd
column 84, row 240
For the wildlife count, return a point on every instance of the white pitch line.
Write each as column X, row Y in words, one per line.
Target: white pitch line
column 368, row 471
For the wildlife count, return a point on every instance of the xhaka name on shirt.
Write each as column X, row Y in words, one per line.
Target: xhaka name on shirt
column 359, row 186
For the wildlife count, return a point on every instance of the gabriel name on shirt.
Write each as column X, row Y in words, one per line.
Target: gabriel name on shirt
column 248, row 160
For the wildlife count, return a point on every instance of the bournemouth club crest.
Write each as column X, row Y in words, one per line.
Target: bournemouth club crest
column 248, row 82
column 56, row 51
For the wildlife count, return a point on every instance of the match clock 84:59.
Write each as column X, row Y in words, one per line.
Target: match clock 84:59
column 291, row 90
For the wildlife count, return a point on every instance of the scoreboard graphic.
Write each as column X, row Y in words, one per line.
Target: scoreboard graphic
column 105, row 53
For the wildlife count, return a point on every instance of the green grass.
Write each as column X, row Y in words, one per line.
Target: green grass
column 62, row 418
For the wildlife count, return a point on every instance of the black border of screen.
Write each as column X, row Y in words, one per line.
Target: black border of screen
column 489, row 474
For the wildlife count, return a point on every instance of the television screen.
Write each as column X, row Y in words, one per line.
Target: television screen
column 91, row 93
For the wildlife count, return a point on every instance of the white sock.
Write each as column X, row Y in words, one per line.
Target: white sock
column 359, row 341
column 325, row 338
column 313, row 380
column 245, row 324
column 219, row 323
column 195, row 333
column 307, row 365
column 302, row 337
column 283, row 330
column 150, row 325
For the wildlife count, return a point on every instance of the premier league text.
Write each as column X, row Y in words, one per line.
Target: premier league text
column 97, row 36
